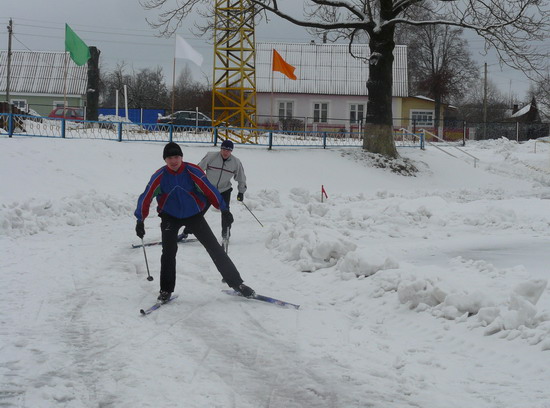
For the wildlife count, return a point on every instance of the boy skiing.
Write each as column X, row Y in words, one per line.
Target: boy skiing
column 183, row 193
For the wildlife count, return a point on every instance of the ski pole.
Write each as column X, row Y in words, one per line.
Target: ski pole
column 252, row 213
column 149, row 277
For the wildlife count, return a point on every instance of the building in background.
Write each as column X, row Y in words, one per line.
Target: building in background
column 330, row 92
column 41, row 81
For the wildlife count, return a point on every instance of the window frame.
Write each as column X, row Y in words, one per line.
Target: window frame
column 320, row 118
column 286, row 103
column 414, row 113
column 15, row 102
column 356, row 111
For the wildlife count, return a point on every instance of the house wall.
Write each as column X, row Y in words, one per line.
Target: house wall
column 409, row 105
column 338, row 115
column 43, row 104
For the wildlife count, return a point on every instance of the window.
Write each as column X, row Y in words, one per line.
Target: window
column 356, row 113
column 286, row 109
column 19, row 103
column 422, row 118
column 57, row 104
column 320, row 112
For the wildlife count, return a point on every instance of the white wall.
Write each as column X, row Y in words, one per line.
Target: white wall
column 338, row 110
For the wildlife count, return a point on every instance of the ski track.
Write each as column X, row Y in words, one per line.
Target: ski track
column 88, row 346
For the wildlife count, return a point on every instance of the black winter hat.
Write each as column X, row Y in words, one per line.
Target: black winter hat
column 171, row 149
column 227, row 145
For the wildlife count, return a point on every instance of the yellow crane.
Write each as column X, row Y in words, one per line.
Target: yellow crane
column 234, row 90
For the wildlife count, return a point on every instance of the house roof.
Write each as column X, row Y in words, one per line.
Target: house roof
column 325, row 69
column 37, row 72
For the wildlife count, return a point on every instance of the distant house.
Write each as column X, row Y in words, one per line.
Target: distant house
column 418, row 112
column 527, row 114
column 42, row 81
column 331, row 90
column 528, row 122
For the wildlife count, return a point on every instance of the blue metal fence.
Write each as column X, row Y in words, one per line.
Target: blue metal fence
column 24, row 125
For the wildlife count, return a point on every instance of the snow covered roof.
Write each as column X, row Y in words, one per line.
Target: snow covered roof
column 37, row 72
column 327, row 69
column 522, row 111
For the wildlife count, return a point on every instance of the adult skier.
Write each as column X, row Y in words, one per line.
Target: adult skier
column 183, row 193
column 220, row 167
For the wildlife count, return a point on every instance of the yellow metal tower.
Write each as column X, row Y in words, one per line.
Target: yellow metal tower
column 234, row 93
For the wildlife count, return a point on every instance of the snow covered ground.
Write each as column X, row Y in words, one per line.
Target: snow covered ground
column 427, row 291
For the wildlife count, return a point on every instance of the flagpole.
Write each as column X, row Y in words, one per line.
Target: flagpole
column 271, row 99
column 174, row 73
column 65, row 83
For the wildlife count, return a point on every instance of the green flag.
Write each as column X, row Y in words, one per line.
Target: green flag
column 80, row 53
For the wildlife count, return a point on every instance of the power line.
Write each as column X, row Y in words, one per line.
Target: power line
column 17, row 39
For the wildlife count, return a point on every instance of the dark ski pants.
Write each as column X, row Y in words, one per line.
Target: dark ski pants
column 226, row 195
column 169, row 227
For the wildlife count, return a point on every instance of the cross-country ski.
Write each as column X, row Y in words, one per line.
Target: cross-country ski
column 156, row 306
column 148, row 244
column 263, row 298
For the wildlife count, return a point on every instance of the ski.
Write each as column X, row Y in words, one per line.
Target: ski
column 263, row 298
column 157, row 305
column 183, row 241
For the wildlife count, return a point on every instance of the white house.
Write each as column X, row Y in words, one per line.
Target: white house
column 330, row 92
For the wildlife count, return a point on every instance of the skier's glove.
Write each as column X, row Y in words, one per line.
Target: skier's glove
column 240, row 197
column 140, row 229
column 227, row 217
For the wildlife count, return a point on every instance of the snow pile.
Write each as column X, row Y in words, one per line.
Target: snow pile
column 31, row 217
column 426, row 291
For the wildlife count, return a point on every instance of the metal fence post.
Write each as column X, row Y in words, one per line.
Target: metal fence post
column 170, row 137
column 120, row 131
column 324, row 140
column 63, row 128
column 215, row 136
column 10, row 124
column 270, row 140
column 422, row 147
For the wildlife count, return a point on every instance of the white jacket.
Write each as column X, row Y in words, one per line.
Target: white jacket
column 220, row 171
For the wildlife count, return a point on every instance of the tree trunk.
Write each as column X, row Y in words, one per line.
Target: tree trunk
column 437, row 114
column 378, row 136
column 92, row 91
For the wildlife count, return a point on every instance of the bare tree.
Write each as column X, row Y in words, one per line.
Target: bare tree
column 440, row 64
column 146, row 88
column 471, row 109
column 513, row 29
column 540, row 90
column 112, row 82
column 190, row 94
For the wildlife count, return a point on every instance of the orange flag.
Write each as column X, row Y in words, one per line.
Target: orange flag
column 280, row 65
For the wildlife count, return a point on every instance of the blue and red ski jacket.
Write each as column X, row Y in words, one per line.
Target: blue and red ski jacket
column 181, row 193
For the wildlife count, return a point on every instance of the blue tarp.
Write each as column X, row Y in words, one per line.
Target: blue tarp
column 135, row 115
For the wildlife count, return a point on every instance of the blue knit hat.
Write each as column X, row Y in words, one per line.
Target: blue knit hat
column 227, row 145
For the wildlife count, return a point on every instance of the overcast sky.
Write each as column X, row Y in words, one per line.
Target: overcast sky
column 120, row 31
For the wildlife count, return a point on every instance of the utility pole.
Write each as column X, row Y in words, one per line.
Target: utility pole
column 10, row 31
column 485, row 104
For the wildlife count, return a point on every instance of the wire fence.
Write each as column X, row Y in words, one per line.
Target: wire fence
column 26, row 125
column 405, row 136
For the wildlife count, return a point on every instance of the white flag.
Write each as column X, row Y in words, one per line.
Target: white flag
column 185, row 51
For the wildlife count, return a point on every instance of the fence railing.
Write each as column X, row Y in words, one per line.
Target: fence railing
column 25, row 125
